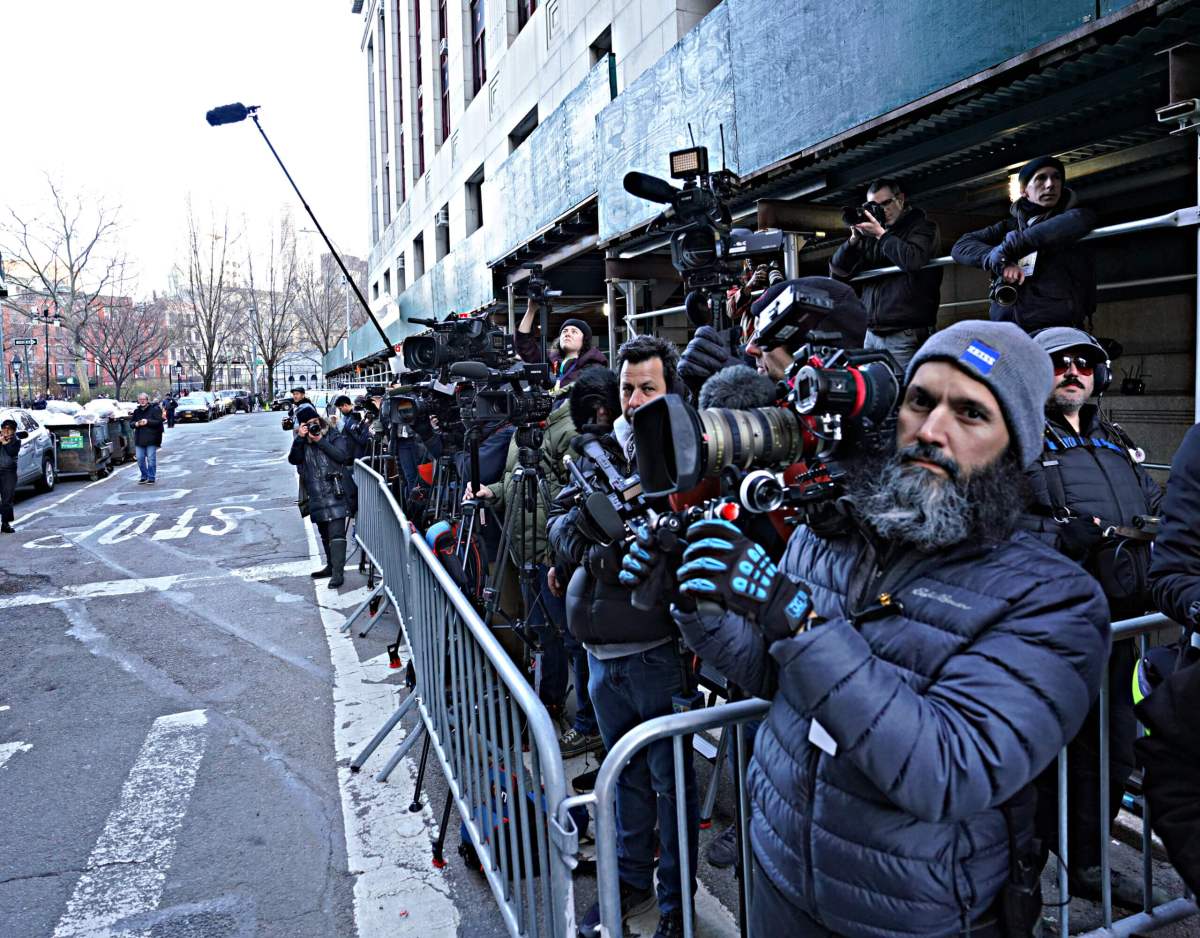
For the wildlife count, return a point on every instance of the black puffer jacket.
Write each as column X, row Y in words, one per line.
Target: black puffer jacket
column 322, row 466
column 8, row 455
column 943, row 704
column 599, row 610
column 901, row 301
column 1175, row 570
column 1062, row 290
column 1099, row 479
column 152, row 433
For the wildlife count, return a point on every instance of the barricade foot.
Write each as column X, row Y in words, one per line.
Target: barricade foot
column 379, row 604
column 439, row 843
column 401, row 751
column 360, row 610
column 384, row 730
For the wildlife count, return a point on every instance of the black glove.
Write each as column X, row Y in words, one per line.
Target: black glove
column 1078, row 536
column 996, row 260
column 723, row 566
column 705, row 355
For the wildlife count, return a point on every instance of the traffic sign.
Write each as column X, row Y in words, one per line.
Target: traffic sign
column 24, row 341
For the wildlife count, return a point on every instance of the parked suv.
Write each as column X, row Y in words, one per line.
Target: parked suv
column 37, row 464
column 236, row 399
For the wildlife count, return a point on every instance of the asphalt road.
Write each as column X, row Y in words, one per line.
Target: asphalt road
column 168, row 697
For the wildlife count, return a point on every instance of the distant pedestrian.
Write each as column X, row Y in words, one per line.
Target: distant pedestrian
column 147, row 422
column 10, row 447
column 169, row 406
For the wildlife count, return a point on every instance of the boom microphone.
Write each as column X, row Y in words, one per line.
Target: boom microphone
column 650, row 188
column 228, row 114
column 738, row 387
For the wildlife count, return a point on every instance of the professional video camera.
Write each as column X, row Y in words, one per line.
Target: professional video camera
column 460, row 337
column 705, row 247
column 536, row 286
column 838, row 403
column 519, row 394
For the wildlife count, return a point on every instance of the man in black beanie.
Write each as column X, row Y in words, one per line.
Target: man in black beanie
column 1036, row 250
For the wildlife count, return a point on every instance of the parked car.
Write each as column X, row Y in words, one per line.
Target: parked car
column 216, row 407
column 36, row 463
column 235, row 399
column 193, row 408
column 281, row 401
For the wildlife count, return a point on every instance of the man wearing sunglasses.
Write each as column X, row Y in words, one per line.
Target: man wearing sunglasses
column 1091, row 492
column 901, row 308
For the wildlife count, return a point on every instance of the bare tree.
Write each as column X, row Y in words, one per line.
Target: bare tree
column 273, row 300
column 125, row 336
column 66, row 256
column 209, row 290
column 321, row 312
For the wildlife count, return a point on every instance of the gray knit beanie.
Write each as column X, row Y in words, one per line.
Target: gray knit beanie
column 1009, row 363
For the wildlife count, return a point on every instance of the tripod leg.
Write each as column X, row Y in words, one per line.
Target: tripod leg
column 439, row 845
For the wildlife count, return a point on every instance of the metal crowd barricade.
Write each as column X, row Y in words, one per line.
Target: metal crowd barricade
column 493, row 737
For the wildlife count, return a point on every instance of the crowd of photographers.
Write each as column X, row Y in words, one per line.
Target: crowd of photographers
column 911, row 542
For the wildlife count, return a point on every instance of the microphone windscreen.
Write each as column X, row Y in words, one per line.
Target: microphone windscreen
column 699, row 313
column 472, row 371
column 738, row 387
column 226, row 114
column 650, row 188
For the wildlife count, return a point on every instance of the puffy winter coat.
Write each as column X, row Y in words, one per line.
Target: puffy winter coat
column 152, row 433
column 563, row 372
column 906, row 300
column 1171, row 757
column 944, row 700
column 556, row 443
column 599, row 610
column 321, row 466
column 1062, row 290
column 1175, row 569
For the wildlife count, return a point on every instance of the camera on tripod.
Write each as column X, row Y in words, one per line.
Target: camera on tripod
column 459, row 337
column 519, row 394
column 705, row 247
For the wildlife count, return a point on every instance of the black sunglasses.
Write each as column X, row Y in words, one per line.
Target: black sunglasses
column 1062, row 363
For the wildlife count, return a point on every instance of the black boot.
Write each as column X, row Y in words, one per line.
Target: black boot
column 337, row 562
column 322, row 573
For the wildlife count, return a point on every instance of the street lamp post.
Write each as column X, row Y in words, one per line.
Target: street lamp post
column 178, row 369
column 46, row 319
column 16, row 367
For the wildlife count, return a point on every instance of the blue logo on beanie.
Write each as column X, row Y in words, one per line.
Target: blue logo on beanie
column 982, row 357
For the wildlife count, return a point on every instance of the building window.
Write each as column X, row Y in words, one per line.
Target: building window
column 419, row 74
column 478, row 57
column 374, row 141
column 401, row 283
column 381, row 57
column 444, row 70
column 387, row 196
column 387, row 282
column 441, row 230
column 601, row 47
column 474, row 193
column 525, row 10
column 375, row 290
column 521, row 132
column 398, row 92
column 418, row 254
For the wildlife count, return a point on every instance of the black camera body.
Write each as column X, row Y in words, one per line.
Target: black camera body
column 1003, row 294
column 857, row 214
column 519, row 395
column 460, row 337
column 537, row 288
column 705, row 247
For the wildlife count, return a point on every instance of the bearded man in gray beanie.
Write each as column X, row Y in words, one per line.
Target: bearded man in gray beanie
column 923, row 666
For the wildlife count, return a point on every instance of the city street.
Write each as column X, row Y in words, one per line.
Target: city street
column 177, row 714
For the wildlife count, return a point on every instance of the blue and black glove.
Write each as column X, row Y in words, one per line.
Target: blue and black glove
column 723, row 566
column 641, row 560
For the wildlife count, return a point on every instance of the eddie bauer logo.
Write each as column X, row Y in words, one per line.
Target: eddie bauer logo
column 943, row 598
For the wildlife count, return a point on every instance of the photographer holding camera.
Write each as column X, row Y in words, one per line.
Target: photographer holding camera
column 571, row 353
column 637, row 669
column 321, row 455
column 1042, row 275
column 887, row 231
column 1094, row 496
column 924, row 664
column 354, row 426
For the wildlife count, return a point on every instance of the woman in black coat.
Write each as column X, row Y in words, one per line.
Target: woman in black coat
column 320, row 455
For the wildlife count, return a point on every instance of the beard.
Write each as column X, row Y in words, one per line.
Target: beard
column 911, row 505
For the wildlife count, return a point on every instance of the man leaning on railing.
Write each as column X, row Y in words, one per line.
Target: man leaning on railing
column 923, row 666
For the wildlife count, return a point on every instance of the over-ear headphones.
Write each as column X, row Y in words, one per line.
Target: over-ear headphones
column 1102, row 373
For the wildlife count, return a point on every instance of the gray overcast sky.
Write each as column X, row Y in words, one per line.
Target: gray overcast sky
column 109, row 97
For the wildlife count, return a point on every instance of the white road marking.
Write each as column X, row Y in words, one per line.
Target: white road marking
column 396, row 892
column 126, row 530
column 127, row 869
column 223, row 515
column 181, row 528
column 134, row 585
column 8, row 750
column 146, row 494
column 66, row 498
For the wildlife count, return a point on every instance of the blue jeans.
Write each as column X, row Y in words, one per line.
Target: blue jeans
column 146, row 459
column 625, row 692
column 546, row 614
column 585, row 713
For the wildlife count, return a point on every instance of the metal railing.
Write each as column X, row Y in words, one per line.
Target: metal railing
column 496, row 743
